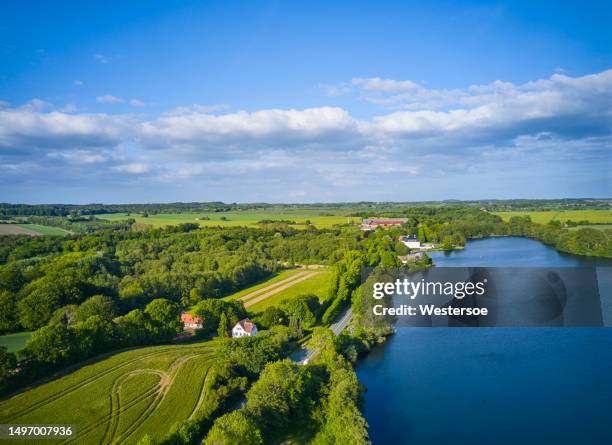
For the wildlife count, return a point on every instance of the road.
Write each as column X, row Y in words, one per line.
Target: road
column 304, row 355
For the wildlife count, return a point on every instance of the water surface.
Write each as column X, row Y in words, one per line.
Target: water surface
column 493, row 385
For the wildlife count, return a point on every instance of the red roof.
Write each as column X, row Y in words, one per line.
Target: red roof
column 188, row 318
column 247, row 325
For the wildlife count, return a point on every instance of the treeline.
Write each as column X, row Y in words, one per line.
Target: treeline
column 585, row 241
column 61, row 344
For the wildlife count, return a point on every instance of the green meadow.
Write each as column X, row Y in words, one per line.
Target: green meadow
column 15, row 342
column 122, row 397
column 45, row 230
column 544, row 217
column 238, row 218
column 317, row 285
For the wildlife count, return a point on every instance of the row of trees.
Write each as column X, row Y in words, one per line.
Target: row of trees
column 59, row 345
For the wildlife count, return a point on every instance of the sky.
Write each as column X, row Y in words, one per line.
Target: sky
column 304, row 101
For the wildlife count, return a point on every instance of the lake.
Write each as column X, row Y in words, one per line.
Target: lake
column 494, row 385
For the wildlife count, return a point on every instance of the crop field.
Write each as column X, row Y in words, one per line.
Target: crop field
column 31, row 229
column 15, row 342
column 120, row 398
column 272, row 292
column 238, row 218
column 593, row 216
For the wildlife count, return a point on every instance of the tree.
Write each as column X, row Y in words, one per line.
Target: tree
column 272, row 316
column 223, row 329
column 8, row 311
column 165, row 316
column 65, row 314
column 36, row 309
column 52, row 345
column 234, row 428
column 8, row 362
column 96, row 305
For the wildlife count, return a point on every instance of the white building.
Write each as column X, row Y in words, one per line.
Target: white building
column 411, row 241
column 244, row 328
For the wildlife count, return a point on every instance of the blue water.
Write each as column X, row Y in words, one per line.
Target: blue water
column 492, row 385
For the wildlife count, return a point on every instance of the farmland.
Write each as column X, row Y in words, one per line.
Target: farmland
column 286, row 285
column 544, row 217
column 31, row 230
column 238, row 218
column 122, row 397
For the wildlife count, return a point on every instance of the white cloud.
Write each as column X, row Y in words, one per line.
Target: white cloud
column 560, row 119
column 109, row 99
column 137, row 103
column 133, row 168
column 78, row 83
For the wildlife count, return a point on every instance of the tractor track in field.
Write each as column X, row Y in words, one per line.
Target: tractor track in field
column 115, row 398
column 272, row 286
column 298, row 278
column 53, row 397
column 202, row 395
column 159, row 392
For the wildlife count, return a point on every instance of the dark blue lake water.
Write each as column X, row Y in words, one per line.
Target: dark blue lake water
column 493, row 385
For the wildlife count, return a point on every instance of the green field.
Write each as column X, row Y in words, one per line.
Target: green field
column 120, row 398
column 592, row 226
column 15, row 342
column 237, row 218
column 45, row 230
column 543, row 217
column 317, row 285
column 276, row 278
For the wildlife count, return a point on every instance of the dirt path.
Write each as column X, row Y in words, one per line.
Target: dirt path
column 273, row 285
column 297, row 278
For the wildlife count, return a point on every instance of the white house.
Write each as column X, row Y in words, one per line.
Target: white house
column 244, row 328
column 411, row 241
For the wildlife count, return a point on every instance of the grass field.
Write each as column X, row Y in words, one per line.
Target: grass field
column 592, row 226
column 45, row 230
column 15, row 342
column 317, row 284
column 233, row 219
column 31, row 229
column 120, row 398
column 275, row 279
column 593, row 216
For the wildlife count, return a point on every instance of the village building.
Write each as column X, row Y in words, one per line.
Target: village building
column 410, row 241
column 385, row 223
column 191, row 322
column 244, row 328
column 410, row 257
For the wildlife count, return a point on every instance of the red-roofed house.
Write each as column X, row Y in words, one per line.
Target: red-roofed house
column 244, row 328
column 385, row 223
column 191, row 322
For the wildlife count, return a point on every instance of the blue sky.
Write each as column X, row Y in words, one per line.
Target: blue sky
column 304, row 101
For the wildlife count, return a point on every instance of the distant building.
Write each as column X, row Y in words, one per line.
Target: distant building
column 191, row 322
column 410, row 241
column 385, row 223
column 244, row 328
column 410, row 257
